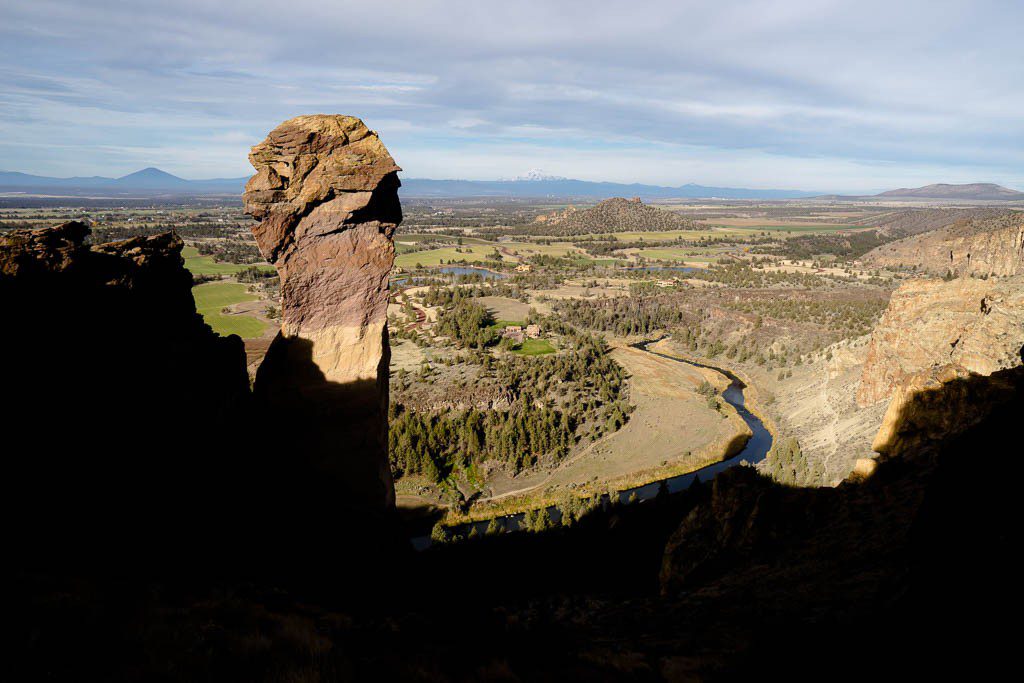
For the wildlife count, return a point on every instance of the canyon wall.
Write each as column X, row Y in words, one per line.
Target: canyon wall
column 326, row 193
column 975, row 325
column 121, row 400
column 984, row 246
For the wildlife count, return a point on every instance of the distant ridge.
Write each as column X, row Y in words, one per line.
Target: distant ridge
column 150, row 181
column 533, row 184
column 980, row 191
column 567, row 187
column 964, row 192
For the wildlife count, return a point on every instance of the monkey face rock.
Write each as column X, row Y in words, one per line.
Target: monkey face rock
column 326, row 193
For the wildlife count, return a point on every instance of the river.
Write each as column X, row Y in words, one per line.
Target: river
column 754, row 451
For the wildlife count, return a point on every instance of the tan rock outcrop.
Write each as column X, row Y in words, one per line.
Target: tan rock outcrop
column 326, row 193
column 974, row 325
column 984, row 246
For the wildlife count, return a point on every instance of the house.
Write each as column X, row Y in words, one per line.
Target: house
column 533, row 331
column 514, row 332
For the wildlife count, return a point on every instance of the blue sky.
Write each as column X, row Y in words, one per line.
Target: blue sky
column 819, row 95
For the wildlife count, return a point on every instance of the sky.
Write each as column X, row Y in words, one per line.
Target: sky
column 826, row 95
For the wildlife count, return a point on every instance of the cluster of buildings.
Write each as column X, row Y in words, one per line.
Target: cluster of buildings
column 518, row 334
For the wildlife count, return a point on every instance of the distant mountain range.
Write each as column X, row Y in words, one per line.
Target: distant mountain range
column 965, row 192
column 149, row 181
column 567, row 187
column 154, row 182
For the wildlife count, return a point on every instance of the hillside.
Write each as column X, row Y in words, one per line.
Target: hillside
column 897, row 224
column 986, row 245
column 611, row 215
column 969, row 191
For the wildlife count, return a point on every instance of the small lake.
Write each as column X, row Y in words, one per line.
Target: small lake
column 471, row 270
column 403, row 280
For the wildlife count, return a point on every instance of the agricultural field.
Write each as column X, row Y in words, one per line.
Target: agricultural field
column 211, row 300
column 436, row 257
column 683, row 255
column 474, row 249
column 206, row 265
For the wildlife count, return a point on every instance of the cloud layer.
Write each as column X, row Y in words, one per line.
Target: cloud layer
column 817, row 94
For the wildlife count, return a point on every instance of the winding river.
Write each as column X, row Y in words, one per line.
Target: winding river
column 755, row 450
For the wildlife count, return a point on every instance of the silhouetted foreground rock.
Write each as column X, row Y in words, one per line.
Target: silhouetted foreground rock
column 326, row 191
column 119, row 397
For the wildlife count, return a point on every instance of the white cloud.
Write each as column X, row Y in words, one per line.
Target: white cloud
column 818, row 94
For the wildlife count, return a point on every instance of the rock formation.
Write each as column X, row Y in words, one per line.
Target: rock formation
column 326, row 193
column 975, row 325
column 612, row 215
column 983, row 246
column 121, row 395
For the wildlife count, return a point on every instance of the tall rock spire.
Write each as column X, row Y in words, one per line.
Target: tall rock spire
column 326, row 193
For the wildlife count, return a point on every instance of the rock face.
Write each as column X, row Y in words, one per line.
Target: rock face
column 107, row 365
column 983, row 246
column 939, row 403
column 974, row 325
column 326, row 193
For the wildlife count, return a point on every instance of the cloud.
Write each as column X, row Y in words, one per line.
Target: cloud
column 815, row 94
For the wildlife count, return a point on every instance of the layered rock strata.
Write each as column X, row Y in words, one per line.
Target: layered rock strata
column 326, row 193
column 984, row 246
column 974, row 325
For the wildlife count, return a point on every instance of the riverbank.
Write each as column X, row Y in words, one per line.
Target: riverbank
column 750, row 445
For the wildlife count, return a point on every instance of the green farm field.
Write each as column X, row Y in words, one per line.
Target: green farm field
column 214, row 296
column 433, row 257
column 670, row 254
column 802, row 228
column 481, row 250
column 205, row 265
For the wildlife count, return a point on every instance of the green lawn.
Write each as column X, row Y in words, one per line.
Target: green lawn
column 500, row 325
column 213, row 296
column 205, row 265
column 534, row 347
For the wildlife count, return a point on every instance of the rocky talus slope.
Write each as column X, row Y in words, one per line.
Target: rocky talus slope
column 818, row 406
column 984, row 246
column 326, row 193
column 975, row 325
